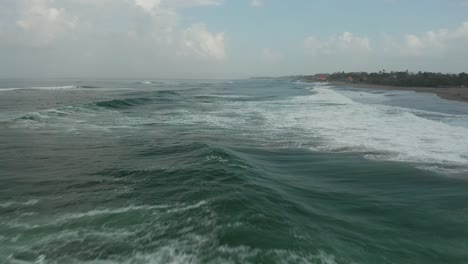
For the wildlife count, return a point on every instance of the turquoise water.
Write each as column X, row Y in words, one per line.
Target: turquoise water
column 126, row 171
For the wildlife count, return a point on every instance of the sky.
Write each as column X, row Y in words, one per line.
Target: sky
column 229, row 38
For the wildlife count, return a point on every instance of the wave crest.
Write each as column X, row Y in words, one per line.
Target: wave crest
column 123, row 103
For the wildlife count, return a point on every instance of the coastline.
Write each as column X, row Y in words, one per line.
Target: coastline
column 449, row 93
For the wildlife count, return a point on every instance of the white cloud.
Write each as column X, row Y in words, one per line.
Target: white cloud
column 198, row 40
column 151, row 26
column 344, row 43
column 414, row 44
column 256, row 3
column 433, row 50
column 42, row 21
column 439, row 42
column 152, row 5
column 193, row 42
column 148, row 5
column 90, row 2
column 190, row 3
column 432, row 43
column 465, row 4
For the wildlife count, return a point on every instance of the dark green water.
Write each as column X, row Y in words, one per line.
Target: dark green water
column 230, row 172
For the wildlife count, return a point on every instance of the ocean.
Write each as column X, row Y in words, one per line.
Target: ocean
column 235, row 171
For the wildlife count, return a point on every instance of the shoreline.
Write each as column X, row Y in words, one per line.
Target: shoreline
column 449, row 93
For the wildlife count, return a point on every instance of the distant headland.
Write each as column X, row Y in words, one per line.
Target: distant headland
column 446, row 85
column 402, row 79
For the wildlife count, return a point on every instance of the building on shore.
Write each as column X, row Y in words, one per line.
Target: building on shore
column 321, row 77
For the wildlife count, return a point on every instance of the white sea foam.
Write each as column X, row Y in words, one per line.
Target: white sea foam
column 18, row 203
column 392, row 130
column 10, row 89
column 330, row 121
column 61, row 219
column 215, row 158
column 63, row 87
column 186, row 208
column 20, row 225
column 226, row 96
column 70, row 119
column 188, row 252
column 109, row 211
column 54, row 87
column 132, row 208
column 189, row 246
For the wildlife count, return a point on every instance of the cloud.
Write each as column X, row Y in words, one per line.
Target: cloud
column 43, row 22
column 256, row 3
column 432, row 50
column 346, row 43
column 152, row 5
column 190, row 3
column 194, row 42
column 431, row 43
column 198, row 40
column 465, row 4
column 90, row 2
column 148, row 5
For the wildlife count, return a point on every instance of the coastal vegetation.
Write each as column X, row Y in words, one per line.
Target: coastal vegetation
column 395, row 78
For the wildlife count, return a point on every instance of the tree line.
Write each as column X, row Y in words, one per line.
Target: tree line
column 404, row 78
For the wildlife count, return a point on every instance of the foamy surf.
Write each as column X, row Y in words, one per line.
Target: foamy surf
column 10, row 89
column 9, row 204
column 45, row 88
column 343, row 125
column 396, row 133
column 145, row 82
column 399, row 133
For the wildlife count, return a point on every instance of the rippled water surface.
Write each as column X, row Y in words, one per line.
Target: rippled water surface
column 244, row 171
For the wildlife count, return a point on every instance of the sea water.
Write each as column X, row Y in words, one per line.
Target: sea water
column 236, row 171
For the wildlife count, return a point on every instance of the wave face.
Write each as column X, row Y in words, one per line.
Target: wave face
column 231, row 172
column 123, row 103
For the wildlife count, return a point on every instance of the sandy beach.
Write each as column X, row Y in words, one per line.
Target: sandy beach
column 449, row 93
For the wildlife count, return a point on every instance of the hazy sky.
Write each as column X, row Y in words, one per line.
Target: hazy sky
column 230, row 38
